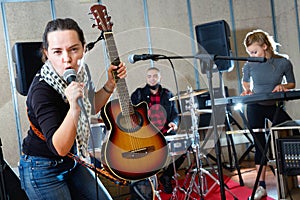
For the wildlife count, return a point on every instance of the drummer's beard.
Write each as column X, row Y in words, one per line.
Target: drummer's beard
column 154, row 87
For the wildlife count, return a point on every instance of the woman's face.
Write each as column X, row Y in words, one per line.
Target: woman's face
column 64, row 50
column 256, row 50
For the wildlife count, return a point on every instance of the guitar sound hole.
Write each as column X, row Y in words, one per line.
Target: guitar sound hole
column 130, row 123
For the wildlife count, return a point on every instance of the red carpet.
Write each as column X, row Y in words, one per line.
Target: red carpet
column 240, row 192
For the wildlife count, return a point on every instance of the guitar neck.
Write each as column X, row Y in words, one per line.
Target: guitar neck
column 112, row 48
column 122, row 88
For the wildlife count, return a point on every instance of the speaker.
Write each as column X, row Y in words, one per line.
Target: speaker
column 12, row 185
column 214, row 37
column 27, row 60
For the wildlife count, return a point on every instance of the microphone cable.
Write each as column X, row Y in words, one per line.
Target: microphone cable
column 83, row 110
column 91, row 45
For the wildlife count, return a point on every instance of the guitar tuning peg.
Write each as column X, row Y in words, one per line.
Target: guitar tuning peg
column 104, row 11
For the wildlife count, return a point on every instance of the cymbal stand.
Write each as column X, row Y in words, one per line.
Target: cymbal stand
column 196, row 150
column 156, row 193
column 201, row 172
column 175, row 177
column 190, row 179
column 155, row 187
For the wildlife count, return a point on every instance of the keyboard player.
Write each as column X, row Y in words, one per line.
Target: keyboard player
column 262, row 78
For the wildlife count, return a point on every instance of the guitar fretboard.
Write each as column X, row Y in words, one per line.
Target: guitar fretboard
column 122, row 89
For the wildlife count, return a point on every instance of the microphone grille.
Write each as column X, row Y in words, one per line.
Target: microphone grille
column 131, row 59
column 69, row 75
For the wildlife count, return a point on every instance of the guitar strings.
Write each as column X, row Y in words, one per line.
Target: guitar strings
column 130, row 118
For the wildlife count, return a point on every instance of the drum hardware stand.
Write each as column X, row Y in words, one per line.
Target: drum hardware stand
column 192, row 184
column 175, row 177
column 204, row 185
column 198, row 155
column 156, row 192
column 202, row 189
column 196, row 150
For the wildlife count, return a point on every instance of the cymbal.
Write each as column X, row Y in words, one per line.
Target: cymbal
column 188, row 95
column 197, row 112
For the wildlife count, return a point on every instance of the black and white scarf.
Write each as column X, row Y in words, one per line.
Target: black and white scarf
column 50, row 76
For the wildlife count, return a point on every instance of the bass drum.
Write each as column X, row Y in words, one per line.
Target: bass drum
column 144, row 189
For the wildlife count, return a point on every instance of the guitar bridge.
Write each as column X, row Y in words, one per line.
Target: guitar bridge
column 138, row 153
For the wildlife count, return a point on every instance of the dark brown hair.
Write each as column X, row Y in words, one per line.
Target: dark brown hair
column 61, row 24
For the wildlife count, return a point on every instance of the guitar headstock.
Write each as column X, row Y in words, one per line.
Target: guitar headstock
column 102, row 19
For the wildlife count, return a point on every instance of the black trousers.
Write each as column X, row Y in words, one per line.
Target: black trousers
column 257, row 115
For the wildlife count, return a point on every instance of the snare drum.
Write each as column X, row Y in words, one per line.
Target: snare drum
column 178, row 144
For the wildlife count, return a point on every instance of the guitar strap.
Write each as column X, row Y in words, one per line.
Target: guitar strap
column 101, row 171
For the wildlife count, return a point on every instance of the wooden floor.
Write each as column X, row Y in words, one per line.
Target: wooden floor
column 247, row 170
column 248, row 174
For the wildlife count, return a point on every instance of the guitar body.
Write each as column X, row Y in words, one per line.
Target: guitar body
column 135, row 149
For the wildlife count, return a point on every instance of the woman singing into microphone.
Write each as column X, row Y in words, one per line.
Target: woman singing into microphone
column 57, row 125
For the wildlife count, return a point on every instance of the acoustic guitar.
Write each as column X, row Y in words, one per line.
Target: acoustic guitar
column 134, row 148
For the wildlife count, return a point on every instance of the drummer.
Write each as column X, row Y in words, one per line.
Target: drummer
column 162, row 113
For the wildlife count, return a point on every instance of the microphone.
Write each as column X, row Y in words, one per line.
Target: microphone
column 134, row 58
column 257, row 59
column 69, row 76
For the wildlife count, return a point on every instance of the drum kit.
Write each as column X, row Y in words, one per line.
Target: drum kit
column 195, row 179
